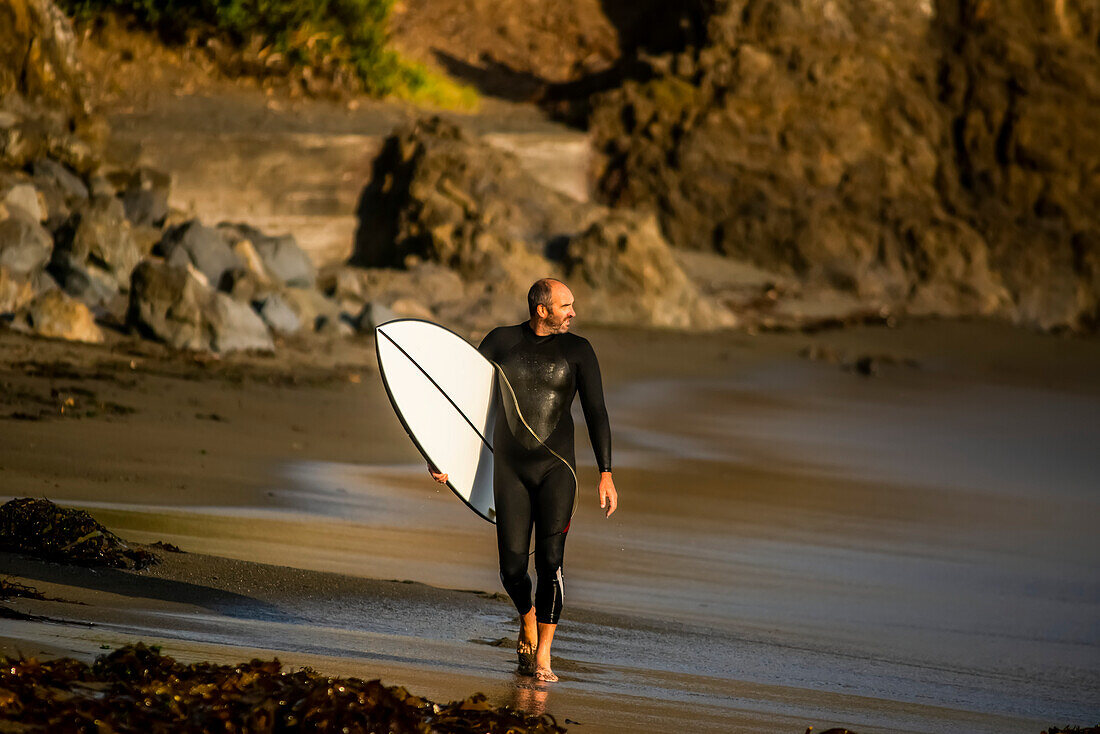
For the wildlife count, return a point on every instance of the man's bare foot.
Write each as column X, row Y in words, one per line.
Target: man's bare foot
column 527, row 644
column 544, row 673
column 525, row 656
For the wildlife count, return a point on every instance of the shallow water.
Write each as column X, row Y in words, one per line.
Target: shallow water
column 913, row 539
column 796, row 543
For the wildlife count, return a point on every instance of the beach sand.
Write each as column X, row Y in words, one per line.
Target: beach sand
column 797, row 543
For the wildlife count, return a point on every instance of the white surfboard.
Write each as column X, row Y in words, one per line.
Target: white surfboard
column 442, row 391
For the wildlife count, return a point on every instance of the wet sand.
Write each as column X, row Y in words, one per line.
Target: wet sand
column 798, row 543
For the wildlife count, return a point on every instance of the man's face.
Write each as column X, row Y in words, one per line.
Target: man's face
column 561, row 309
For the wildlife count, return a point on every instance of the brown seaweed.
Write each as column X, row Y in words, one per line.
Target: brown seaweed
column 38, row 527
column 136, row 688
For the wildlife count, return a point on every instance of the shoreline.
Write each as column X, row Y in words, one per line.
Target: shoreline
column 778, row 583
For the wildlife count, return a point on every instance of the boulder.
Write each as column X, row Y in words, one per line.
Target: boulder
column 193, row 243
column 372, row 315
column 314, row 310
column 278, row 314
column 16, row 290
column 96, row 244
column 174, row 304
column 434, row 188
column 283, row 260
column 166, row 303
column 623, row 271
column 144, row 195
column 253, row 263
column 145, row 206
column 58, row 316
column 53, row 176
column 235, row 327
column 25, row 246
column 25, row 197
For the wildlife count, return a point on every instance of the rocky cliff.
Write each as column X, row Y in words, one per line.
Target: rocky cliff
column 932, row 159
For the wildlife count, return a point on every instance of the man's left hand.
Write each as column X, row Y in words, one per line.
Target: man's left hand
column 608, row 497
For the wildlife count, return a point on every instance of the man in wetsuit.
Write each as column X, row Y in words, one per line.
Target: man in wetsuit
column 534, row 469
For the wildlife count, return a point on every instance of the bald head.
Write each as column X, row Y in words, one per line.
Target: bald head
column 550, row 303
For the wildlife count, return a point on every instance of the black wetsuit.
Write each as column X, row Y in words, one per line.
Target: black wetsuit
column 531, row 483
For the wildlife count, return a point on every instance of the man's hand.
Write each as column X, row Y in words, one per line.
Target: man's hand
column 437, row 475
column 608, row 497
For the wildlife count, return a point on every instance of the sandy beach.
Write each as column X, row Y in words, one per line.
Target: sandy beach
column 798, row 543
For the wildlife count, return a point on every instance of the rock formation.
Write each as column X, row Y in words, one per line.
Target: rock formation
column 936, row 159
column 441, row 197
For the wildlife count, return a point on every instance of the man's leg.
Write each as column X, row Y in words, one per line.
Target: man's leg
column 513, row 505
column 555, row 506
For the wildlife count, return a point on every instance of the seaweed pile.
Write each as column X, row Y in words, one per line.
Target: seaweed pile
column 38, row 527
column 135, row 688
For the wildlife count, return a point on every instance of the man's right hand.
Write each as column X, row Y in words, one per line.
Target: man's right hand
column 437, row 475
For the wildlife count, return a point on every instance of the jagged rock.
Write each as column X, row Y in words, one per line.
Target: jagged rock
column 53, row 175
column 243, row 286
column 312, row 308
column 253, row 263
column 23, row 196
column 145, row 196
column 439, row 197
column 15, row 290
column 24, row 245
column 278, row 315
column 282, row 259
column 434, row 189
column 201, row 246
column 173, row 304
column 373, row 314
column 41, row 89
column 236, row 327
column 96, row 245
column 57, row 315
column 344, row 284
column 166, row 303
column 145, row 207
column 623, row 270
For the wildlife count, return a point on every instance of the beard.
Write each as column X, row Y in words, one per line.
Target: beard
column 558, row 325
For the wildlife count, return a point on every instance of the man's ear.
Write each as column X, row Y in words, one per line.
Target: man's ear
column 542, row 311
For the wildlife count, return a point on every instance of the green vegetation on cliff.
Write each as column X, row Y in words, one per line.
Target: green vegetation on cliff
column 342, row 40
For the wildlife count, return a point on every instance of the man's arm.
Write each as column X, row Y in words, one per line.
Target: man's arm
column 590, row 387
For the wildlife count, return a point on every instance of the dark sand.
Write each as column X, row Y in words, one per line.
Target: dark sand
column 797, row 543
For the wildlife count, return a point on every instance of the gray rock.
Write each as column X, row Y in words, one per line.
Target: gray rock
column 144, row 193
column 236, row 327
column 623, row 256
column 23, row 196
column 24, row 245
column 312, row 307
column 174, row 305
column 146, row 207
column 58, row 316
column 53, row 175
column 166, row 303
column 284, row 261
column 97, row 241
column 192, row 243
column 278, row 315
column 89, row 284
column 372, row 315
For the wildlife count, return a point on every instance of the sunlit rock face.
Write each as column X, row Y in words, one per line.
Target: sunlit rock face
column 938, row 157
